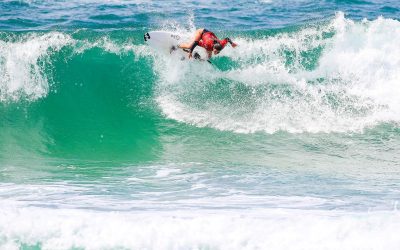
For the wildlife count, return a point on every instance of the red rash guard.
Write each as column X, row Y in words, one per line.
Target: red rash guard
column 208, row 39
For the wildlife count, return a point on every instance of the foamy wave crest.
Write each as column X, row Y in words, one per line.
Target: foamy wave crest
column 336, row 77
column 22, row 62
column 45, row 228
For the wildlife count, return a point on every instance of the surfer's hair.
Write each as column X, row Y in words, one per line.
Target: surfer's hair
column 218, row 46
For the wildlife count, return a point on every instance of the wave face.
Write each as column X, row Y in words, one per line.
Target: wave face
column 64, row 93
column 294, row 135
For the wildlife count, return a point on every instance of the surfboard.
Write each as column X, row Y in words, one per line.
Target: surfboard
column 167, row 44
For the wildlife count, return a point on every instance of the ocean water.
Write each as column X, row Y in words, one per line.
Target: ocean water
column 289, row 141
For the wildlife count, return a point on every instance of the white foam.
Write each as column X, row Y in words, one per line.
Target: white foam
column 367, row 55
column 353, row 86
column 22, row 64
column 162, row 173
column 197, row 229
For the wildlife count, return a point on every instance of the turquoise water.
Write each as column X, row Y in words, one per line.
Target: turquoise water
column 289, row 141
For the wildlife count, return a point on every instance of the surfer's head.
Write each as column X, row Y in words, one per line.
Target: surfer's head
column 217, row 48
column 219, row 45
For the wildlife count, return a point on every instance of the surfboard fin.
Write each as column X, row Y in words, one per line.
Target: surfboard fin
column 172, row 49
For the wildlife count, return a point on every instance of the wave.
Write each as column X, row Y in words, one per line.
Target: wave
column 337, row 76
column 75, row 95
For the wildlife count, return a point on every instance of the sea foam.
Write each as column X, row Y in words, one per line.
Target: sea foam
column 251, row 229
column 340, row 76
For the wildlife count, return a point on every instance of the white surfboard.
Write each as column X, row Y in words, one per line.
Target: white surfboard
column 167, row 43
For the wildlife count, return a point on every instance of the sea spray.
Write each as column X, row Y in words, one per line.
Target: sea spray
column 317, row 79
column 23, row 61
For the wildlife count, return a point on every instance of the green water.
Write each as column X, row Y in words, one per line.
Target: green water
column 294, row 133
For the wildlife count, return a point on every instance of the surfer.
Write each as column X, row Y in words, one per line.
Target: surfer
column 208, row 40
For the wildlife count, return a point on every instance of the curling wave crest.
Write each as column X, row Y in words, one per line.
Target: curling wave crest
column 23, row 61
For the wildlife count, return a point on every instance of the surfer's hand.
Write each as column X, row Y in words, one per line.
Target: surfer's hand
column 190, row 55
column 234, row 45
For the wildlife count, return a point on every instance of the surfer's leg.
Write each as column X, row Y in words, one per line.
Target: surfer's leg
column 197, row 37
column 185, row 45
column 198, row 34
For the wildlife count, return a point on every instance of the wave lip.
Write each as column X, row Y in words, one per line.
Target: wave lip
column 22, row 64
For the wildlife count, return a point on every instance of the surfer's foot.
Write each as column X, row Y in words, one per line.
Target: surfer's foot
column 172, row 49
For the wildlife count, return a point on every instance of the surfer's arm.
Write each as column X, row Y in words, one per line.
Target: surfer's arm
column 231, row 43
column 194, row 44
column 209, row 54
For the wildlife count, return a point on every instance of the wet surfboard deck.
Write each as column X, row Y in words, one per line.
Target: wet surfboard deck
column 167, row 43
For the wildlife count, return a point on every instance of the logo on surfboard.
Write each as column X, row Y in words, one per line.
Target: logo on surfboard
column 176, row 37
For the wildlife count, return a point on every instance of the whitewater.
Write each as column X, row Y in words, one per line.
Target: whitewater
column 289, row 141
